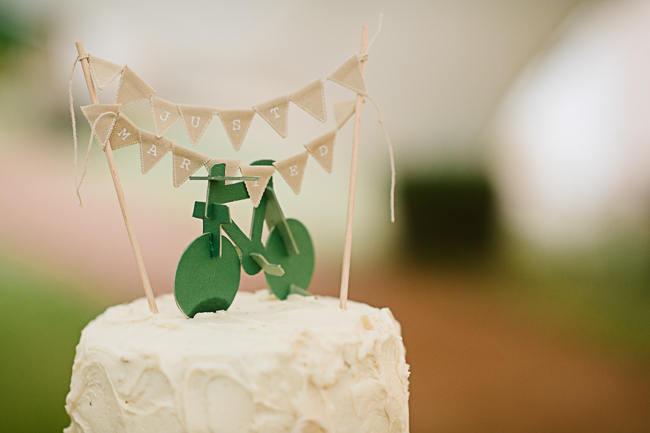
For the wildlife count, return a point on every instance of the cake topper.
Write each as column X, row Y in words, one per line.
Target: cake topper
column 208, row 273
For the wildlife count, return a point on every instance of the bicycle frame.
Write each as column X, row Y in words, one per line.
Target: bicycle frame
column 216, row 215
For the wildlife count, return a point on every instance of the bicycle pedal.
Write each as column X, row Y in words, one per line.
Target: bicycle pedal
column 269, row 268
column 297, row 290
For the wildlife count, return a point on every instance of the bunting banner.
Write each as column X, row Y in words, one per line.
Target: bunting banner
column 322, row 150
column 292, row 170
column 152, row 149
column 236, row 124
column 276, row 114
column 257, row 187
column 165, row 114
column 232, row 167
column 95, row 114
column 103, row 71
column 343, row 111
column 124, row 133
column 132, row 88
column 196, row 120
column 349, row 75
column 311, row 98
column 185, row 163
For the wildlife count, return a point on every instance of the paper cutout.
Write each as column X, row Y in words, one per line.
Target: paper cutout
column 104, row 125
column 293, row 170
column 185, row 163
column 236, row 124
column 196, row 120
column 276, row 113
column 103, row 71
column 311, row 98
column 257, row 187
column 165, row 114
column 124, row 133
column 132, row 88
column 152, row 149
column 232, row 167
column 349, row 75
column 322, row 150
column 343, row 111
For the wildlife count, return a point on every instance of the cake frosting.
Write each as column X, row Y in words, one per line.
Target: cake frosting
column 301, row 365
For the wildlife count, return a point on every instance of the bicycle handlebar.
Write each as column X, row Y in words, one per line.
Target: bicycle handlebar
column 224, row 177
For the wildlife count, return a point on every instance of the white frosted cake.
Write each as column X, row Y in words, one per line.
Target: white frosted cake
column 297, row 366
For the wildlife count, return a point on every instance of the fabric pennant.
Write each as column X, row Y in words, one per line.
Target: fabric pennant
column 103, row 71
column 349, row 75
column 276, row 113
column 236, row 123
column 185, row 163
column 311, row 98
column 232, row 167
column 322, row 150
column 152, row 149
column 293, row 170
column 105, row 124
column 343, row 111
column 132, row 88
column 257, row 187
column 124, row 133
column 165, row 114
column 196, row 120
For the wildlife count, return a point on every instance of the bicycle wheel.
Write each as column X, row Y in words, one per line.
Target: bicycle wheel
column 203, row 283
column 298, row 268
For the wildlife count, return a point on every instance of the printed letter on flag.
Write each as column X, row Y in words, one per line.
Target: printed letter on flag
column 185, row 163
column 257, row 187
column 132, row 88
column 343, row 111
column 124, row 134
column 236, row 123
column 196, row 120
column 104, row 126
column 103, row 71
column 311, row 98
column 293, row 170
column 165, row 114
column 152, row 149
column 276, row 113
column 232, row 167
column 349, row 75
column 322, row 150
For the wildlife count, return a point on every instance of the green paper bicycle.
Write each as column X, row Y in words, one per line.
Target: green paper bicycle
column 209, row 271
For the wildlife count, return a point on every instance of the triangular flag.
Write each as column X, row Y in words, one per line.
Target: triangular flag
column 322, row 149
column 132, row 88
column 232, row 167
column 152, row 149
column 293, row 170
column 257, row 187
column 185, row 163
column 124, row 133
column 349, row 75
column 343, row 111
column 236, row 123
column 311, row 98
column 196, row 120
column 165, row 114
column 103, row 71
column 104, row 125
column 276, row 113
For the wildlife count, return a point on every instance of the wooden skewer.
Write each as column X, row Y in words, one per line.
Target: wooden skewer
column 118, row 186
column 347, row 250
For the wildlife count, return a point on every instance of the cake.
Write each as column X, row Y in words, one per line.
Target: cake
column 301, row 365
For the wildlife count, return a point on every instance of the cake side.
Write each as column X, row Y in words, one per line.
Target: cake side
column 300, row 366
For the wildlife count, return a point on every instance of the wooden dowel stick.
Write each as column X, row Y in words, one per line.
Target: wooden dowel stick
column 347, row 250
column 118, row 186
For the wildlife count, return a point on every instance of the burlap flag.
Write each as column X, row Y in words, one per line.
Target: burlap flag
column 152, row 149
column 311, row 98
column 343, row 111
column 232, row 167
column 257, row 187
column 236, row 123
column 103, row 71
column 196, row 120
column 276, row 113
column 185, row 163
column 349, row 75
column 293, row 170
column 132, row 88
column 322, row 149
column 165, row 114
column 104, row 125
column 124, row 133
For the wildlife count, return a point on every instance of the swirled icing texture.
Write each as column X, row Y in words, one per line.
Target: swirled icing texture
column 269, row 366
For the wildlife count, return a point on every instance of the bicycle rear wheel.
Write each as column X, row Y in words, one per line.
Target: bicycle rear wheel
column 298, row 268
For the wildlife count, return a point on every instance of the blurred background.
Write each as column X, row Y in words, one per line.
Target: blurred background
column 519, row 264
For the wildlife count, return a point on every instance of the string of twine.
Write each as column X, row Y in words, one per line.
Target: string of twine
column 93, row 133
column 74, row 125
